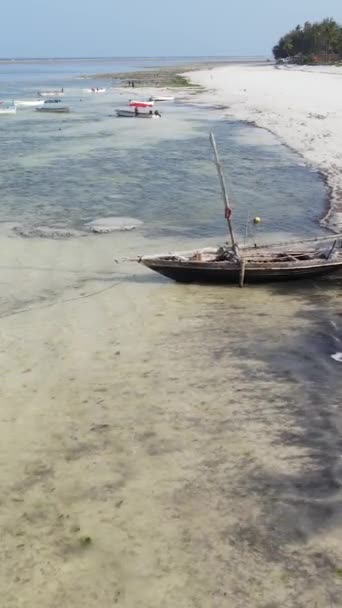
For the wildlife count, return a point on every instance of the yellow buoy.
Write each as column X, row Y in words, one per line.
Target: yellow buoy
column 256, row 220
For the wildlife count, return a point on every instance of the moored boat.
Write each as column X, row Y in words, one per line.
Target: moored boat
column 223, row 265
column 136, row 114
column 53, row 109
column 51, row 93
column 141, row 104
column 231, row 264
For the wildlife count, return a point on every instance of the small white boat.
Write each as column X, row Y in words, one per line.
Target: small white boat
column 8, row 109
column 50, row 93
column 28, row 103
column 136, row 114
column 96, row 90
column 161, row 98
column 52, row 109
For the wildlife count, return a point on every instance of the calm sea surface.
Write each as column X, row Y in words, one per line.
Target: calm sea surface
column 69, row 169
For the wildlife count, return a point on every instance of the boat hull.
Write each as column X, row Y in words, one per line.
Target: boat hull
column 132, row 114
column 53, row 110
column 221, row 273
column 50, row 93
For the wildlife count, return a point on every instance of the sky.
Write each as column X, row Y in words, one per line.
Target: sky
column 108, row 28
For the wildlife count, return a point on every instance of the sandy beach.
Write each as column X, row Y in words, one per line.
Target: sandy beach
column 301, row 105
column 163, row 445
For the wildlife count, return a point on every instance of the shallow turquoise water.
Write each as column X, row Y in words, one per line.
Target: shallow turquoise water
column 67, row 170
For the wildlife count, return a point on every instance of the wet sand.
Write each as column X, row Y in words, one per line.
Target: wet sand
column 164, row 444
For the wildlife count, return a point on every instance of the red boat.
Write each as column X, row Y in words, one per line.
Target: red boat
column 141, row 104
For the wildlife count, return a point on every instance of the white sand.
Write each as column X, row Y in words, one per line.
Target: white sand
column 302, row 106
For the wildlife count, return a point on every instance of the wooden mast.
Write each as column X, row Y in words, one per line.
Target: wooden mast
column 227, row 209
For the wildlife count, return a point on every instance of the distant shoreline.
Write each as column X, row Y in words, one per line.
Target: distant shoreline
column 192, row 59
column 172, row 76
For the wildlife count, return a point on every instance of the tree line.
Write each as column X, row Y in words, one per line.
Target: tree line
column 313, row 39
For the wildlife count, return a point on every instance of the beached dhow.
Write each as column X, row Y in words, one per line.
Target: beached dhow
column 232, row 264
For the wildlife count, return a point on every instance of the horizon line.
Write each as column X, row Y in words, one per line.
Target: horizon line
column 109, row 57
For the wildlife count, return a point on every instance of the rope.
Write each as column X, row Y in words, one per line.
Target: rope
column 66, row 301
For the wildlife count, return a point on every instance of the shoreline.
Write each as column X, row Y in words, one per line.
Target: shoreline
column 280, row 110
column 257, row 95
column 175, row 76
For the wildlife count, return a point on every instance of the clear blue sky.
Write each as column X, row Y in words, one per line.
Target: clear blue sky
column 65, row 28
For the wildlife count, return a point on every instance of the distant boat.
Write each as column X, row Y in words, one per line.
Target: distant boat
column 28, row 103
column 53, row 109
column 8, row 109
column 161, row 98
column 52, row 101
column 141, row 104
column 50, row 93
column 135, row 114
column 96, row 90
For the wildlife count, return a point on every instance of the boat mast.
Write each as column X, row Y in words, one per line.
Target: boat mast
column 227, row 208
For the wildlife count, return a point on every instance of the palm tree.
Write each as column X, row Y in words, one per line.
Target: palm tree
column 288, row 46
column 331, row 32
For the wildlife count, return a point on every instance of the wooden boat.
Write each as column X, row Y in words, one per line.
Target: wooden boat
column 223, row 265
column 141, row 104
column 54, row 110
column 135, row 114
column 28, row 103
column 230, row 264
column 50, row 93
column 8, row 109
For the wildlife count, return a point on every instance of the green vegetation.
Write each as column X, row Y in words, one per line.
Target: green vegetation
column 312, row 43
column 166, row 77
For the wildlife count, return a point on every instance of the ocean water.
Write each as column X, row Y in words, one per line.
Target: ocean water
column 161, row 444
column 66, row 170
